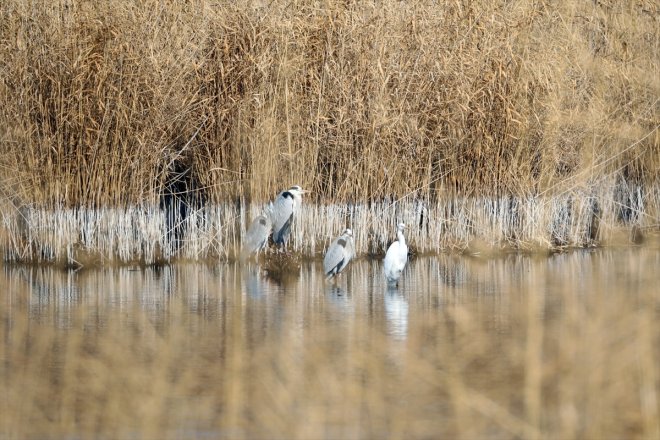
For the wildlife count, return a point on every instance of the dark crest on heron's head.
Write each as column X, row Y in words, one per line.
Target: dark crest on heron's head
column 295, row 188
column 348, row 232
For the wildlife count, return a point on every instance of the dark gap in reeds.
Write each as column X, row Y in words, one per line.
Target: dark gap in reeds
column 181, row 196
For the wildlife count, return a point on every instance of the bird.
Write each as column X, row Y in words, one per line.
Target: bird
column 257, row 235
column 286, row 205
column 396, row 257
column 339, row 254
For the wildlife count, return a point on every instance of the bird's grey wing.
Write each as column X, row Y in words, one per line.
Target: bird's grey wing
column 281, row 216
column 257, row 234
column 334, row 256
column 349, row 252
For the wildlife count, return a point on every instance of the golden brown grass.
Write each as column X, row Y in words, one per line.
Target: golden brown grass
column 523, row 124
column 104, row 103
column 508, row 347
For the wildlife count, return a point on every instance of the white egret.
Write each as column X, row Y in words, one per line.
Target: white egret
column 287, row 203
column 256, row 236
column 396, row 257
column 339, row 254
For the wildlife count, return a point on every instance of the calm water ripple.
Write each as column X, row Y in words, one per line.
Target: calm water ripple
column 241, row 348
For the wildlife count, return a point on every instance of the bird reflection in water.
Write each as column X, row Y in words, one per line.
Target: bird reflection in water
column 257, row 283
column 341, row 300
column 396, row 313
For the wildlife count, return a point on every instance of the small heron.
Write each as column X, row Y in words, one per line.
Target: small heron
column 396, row 257
column 287, row 203
column 256, row 236
column 339, row 254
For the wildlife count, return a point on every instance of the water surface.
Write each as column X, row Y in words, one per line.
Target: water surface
column 511, row 346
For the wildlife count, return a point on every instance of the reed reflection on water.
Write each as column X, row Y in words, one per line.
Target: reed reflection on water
column 513, row 345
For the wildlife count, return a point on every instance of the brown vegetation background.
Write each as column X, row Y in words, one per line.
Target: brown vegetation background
column 105, row 103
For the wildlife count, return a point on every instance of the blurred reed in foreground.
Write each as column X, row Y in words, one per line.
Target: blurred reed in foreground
column 510, row 347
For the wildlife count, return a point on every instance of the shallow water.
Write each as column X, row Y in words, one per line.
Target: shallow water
column 514, row 345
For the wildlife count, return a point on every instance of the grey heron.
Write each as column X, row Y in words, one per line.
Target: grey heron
column 396, row 257
column 286, row 205
column 256, row 236
column 339, row 254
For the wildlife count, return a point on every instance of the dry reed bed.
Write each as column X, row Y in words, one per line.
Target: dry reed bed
column 606, row 213
column 515, row 347
column 106, row 104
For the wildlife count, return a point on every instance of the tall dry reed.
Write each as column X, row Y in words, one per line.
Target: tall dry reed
column 105, row 104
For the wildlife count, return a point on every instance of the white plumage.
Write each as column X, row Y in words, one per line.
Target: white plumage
column 396, row 257
column 339, row 254
column 287, row 203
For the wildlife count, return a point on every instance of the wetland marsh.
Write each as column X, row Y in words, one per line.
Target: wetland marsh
column 518, row 140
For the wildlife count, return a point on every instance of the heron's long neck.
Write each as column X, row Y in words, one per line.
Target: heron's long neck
column 297, row 201
column 399, row 235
